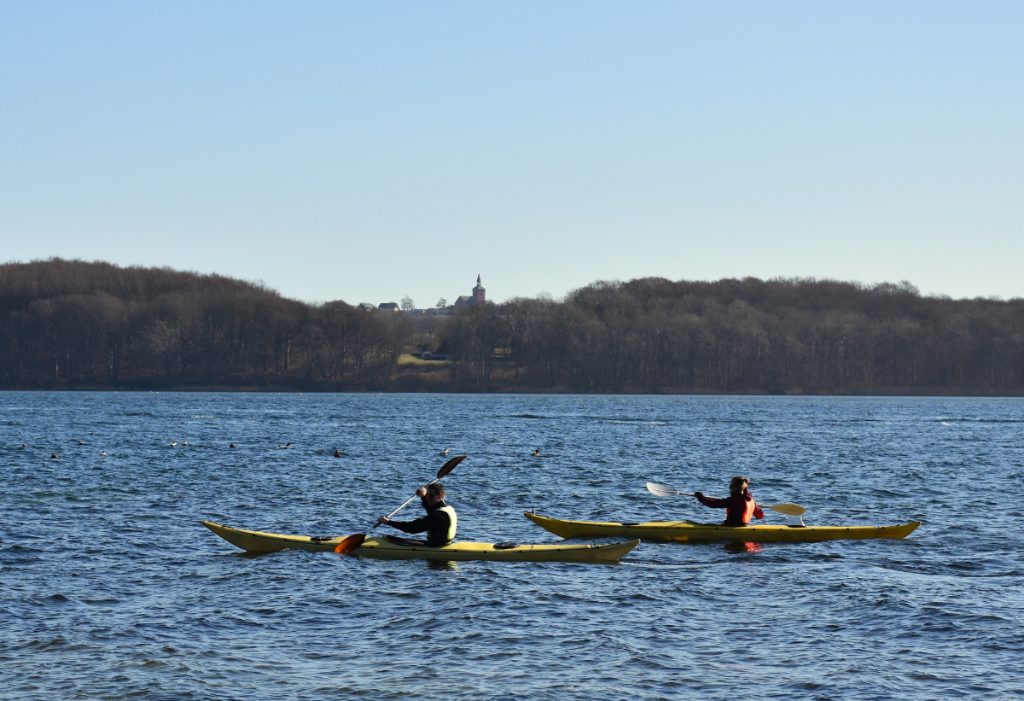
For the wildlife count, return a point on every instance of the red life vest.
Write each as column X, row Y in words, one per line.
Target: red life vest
column 748, row 509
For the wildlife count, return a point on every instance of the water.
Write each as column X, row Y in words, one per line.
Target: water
column 111, row 589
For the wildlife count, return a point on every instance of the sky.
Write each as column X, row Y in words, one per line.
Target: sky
column 374, row 151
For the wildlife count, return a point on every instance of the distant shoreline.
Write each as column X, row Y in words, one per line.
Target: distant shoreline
column 69, row 325
column 292, row 389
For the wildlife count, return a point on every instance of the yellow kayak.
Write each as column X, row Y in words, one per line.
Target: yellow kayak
column 386, row 548
column 689, row 532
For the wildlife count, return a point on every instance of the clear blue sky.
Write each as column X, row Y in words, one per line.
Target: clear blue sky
column 369, row 151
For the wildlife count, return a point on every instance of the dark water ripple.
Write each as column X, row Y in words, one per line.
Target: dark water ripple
column 109, row 588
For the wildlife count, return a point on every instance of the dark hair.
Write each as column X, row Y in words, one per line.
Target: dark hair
column 437, row 488
column 738, row 484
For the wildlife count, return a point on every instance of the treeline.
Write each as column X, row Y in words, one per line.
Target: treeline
column 72, row 324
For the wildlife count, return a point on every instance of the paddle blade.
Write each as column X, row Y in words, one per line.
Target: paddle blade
column 663, row 490
column 787, row 508
column 450, row 465
column 350, row 543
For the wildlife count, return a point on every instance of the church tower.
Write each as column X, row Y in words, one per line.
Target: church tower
column 479, row 293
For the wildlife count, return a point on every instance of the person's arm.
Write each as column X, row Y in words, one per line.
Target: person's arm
column 423, row 523
column 758, row 512
column 711, row 501
column 404, row 525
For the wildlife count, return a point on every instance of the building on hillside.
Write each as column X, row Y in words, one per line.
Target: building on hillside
column 388, row 307
column 479, row 296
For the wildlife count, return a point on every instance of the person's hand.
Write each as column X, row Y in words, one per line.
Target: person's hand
column 421, row 492
column 382, row 519
column 698, row 494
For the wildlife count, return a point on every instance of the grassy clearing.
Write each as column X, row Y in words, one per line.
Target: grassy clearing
column 407, row 359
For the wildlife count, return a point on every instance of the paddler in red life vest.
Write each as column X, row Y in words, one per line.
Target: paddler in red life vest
column 739, row 506
column 440, row 521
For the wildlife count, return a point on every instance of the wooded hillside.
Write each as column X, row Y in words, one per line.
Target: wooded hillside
column 72, row 324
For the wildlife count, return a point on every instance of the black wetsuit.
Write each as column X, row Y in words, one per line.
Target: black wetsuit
column 435, row 523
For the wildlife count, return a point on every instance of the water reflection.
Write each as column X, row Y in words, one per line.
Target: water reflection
column 443, row 565
column 744, row 547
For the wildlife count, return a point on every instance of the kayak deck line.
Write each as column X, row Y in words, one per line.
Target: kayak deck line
column 388, row 548
column 690, row 532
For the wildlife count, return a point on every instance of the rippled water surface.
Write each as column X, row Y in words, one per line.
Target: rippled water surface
column 112, row 590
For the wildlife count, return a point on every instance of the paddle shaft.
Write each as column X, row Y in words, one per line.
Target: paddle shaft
column 663, row 490
column 353, row 541
column 407, row 501
column 445, row 469
column 786, row 508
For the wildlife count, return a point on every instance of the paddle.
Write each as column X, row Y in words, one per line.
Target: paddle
column 350, row 543
column 663, row 490
column 356, row 539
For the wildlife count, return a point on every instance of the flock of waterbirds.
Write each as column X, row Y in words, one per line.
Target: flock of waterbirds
column 336, row 452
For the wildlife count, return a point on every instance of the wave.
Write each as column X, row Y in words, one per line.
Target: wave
column 948, row 420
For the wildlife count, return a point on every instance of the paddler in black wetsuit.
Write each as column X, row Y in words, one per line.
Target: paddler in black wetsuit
column 440, row 521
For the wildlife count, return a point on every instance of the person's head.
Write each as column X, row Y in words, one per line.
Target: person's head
column 738, row 484
column 434, row 493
